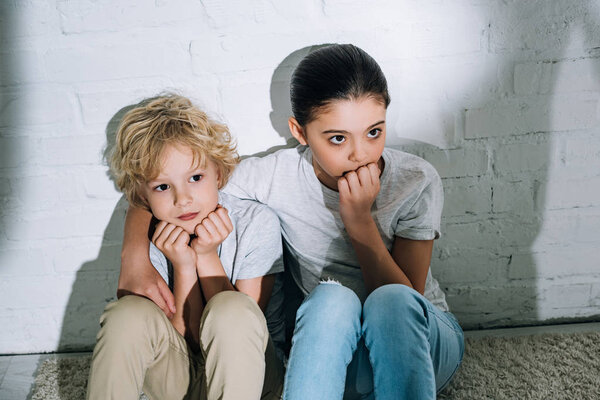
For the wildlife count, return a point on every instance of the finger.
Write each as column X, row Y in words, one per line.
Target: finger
column 164, row 235
column 353, row 181
column 158, row 230
column 202, row 234
column 210, row 227
column 343, row 187
column 157, row 298
column 217, row 219
column 224, row 214
column 364, row 176
column 174, row 235
column 183, row 238
column 167, row 297
column 374, row 171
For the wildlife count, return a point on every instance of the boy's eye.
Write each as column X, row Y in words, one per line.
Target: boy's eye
column 337, row 139
column 195, row 178
column 161, row 187
column 373, row 133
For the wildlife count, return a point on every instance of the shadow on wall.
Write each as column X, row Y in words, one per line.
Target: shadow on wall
column 486, row 259
column 492, row 216
column 494, row 250
column 95, row 283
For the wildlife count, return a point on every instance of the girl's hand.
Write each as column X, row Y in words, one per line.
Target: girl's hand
column 358, row 190
column 173, row 241
column 211, row 232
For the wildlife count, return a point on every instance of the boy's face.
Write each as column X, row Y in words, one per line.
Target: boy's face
column 182, row 194
column 345, row 136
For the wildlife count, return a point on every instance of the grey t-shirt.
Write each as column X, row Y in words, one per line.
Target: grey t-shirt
column 251, row 250
column 317, row 246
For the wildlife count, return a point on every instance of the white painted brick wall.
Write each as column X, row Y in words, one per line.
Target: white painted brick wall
column 502, row 97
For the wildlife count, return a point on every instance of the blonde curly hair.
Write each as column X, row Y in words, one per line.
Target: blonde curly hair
column 155, row 123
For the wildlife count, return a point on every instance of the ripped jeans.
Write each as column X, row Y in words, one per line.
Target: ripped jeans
column 397, row 346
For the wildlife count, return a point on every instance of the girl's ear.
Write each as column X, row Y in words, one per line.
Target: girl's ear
column 297, row 131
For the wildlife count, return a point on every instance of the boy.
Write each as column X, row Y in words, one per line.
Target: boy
column 222, row 253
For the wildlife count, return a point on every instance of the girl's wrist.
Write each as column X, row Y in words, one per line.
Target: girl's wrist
column 358, row 224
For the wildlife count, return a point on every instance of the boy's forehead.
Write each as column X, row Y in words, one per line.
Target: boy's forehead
column 181, row 157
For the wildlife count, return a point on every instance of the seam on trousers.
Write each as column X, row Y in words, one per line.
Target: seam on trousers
column 330, row 281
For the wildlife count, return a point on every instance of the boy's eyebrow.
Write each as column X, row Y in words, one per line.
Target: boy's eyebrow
column 328, row 131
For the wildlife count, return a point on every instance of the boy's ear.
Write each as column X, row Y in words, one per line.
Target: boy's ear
column 297, row 131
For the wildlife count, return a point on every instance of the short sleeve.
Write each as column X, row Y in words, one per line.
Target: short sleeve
column 252, row 178
column 422, row 221
column 261, row 244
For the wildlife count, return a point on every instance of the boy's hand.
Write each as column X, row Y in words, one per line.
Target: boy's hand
column 173, row 241
column 211, row 232
column 358, row 190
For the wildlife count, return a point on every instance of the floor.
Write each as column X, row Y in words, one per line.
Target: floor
column 17, row 372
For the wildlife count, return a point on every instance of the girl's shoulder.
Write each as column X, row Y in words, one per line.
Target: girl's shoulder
column 406, row 167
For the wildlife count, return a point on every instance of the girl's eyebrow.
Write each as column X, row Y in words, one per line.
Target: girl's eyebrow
column 329, row 131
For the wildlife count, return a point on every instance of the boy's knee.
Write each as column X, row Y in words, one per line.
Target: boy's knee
column 232, row 314
column 131, row 316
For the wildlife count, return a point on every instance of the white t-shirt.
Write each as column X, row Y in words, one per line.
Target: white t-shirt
column 251, row 250
column 317, row 246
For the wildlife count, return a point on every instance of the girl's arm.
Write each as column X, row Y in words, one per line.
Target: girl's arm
column 407, row 264
column 138, row 276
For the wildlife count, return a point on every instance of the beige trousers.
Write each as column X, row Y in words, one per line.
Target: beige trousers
column 138, row 350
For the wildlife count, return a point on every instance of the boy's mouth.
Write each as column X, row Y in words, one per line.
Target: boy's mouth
column 187, row 217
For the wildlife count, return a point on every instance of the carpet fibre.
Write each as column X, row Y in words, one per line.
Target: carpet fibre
column 549, row 366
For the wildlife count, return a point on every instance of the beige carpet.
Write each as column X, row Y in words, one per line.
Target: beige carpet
column 551, row 366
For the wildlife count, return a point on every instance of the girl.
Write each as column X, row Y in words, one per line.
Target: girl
column 358, row 223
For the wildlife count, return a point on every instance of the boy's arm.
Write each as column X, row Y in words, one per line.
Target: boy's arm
column 210, row 233
column 138, row 276
column 259, row 289
column 173, row 241
column 260, row 241
column 408, row 263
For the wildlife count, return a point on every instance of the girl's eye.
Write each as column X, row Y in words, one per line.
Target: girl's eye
column 338, row 139
column 162, row 187
column 195, row 178
column 373, row 133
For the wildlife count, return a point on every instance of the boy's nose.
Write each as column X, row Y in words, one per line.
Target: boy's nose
column 182, row 198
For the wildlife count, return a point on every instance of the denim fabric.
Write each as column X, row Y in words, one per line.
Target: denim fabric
column 396, row 346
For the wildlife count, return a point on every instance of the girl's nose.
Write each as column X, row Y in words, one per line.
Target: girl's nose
column 358, row 154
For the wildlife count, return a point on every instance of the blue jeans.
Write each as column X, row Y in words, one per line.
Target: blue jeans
column 403, row 348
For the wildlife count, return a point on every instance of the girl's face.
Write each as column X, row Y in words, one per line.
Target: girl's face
column 182, row 194
column 345, row 135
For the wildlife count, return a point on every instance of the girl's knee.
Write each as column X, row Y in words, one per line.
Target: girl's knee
column 394, row 300
column 330, row 305
column 332, row 295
